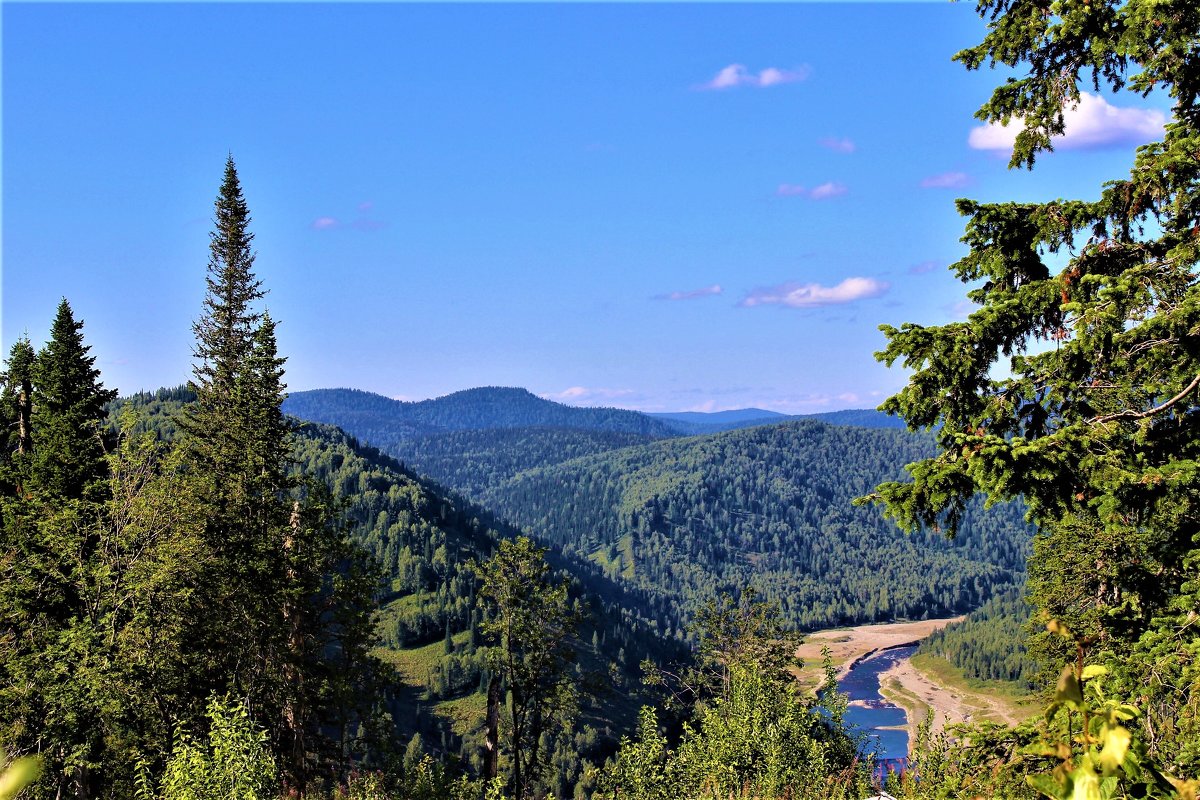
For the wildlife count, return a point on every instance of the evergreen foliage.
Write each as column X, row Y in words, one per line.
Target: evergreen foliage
column 65, row 422
column 990, row 643
column 384, row 422
column 683, row 520
column 532, row 628
column 16, row 399
column 1091, row 309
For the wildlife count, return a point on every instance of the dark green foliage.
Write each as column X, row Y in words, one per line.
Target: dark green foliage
column 16, row 400
column 682, row 520
column 531, row 628
column 67, row 411
column 990, row 644
column 55, row 560
column 750, row 732
column 472, row 461
column 425, row 542
column 139, row 581
column 1091, row 311
column 695, row 423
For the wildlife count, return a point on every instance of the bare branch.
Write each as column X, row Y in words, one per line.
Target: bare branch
column 1150, row 412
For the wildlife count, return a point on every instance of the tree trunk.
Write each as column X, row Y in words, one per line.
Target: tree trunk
column 491, row 741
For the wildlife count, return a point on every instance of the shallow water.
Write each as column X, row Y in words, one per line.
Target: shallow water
column 872, row 712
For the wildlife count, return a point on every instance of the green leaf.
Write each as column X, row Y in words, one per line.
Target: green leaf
column 1116, row 744
column 1045, row 784
column 20, row 773
column 1086, row 784
column 1067, row 690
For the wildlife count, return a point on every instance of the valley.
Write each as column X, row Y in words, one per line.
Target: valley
column 653, row 521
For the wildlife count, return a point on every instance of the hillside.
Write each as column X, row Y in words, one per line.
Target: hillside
column 685, row 519
column 424, row 541
column 384, row 422
column 693, row 423
column 679, row 520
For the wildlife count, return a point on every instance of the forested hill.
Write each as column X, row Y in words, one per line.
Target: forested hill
column 383, row 422
column 428, row 621
column 684, row 519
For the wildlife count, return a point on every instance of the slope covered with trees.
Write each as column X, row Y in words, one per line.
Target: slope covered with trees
column 685, row 519
column 384, row 422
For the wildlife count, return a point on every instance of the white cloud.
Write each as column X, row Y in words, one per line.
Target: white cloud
column 324, row 224
column 822, row 192
column 1092, row 123
column 737, row 75
column 827, row 190
column 692, row 294
column 592, row 396
column 946, row 180
column 814, row 295
column 842, row 145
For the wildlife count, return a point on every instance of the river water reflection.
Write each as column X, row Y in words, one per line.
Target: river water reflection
column 879, row 719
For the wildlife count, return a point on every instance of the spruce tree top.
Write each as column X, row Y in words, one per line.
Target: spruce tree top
column 224, row 334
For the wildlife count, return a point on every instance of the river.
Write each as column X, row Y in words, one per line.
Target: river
column 881, row 721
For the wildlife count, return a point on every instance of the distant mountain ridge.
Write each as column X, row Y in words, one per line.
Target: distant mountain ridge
column 385, row 422
column 693, row 423
column 720, row 417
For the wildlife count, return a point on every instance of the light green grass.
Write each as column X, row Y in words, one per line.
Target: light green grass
column 990, row 699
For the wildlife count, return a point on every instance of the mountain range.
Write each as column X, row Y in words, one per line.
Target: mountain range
column 675, row 516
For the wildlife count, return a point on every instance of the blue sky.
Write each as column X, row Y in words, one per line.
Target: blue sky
column 662, row 207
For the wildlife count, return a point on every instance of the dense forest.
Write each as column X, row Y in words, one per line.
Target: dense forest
column 202, row 599
column 686, row 519
column 990, row 643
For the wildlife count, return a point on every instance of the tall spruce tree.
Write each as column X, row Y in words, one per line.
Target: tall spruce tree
column 49, row 546
column 67, row 417
column 218, row 421
column 290, row 597
column 240, row 459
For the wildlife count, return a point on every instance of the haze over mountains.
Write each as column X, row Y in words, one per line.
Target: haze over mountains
column 491, row 407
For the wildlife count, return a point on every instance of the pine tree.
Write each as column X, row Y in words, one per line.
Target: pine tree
column 49, row 544
column 236, row 443
column 66, row 421
column 290, row 597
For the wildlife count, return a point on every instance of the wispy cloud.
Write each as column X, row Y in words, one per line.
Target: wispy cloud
column 961, row 309
column 692, row 294
column 592, row 396
column 736, row 75
column 822, row 192
column 922, row 268
column 363, row 223
column 946, row 180
column 1092, row 123
column 842, row 145
column 814, row 295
